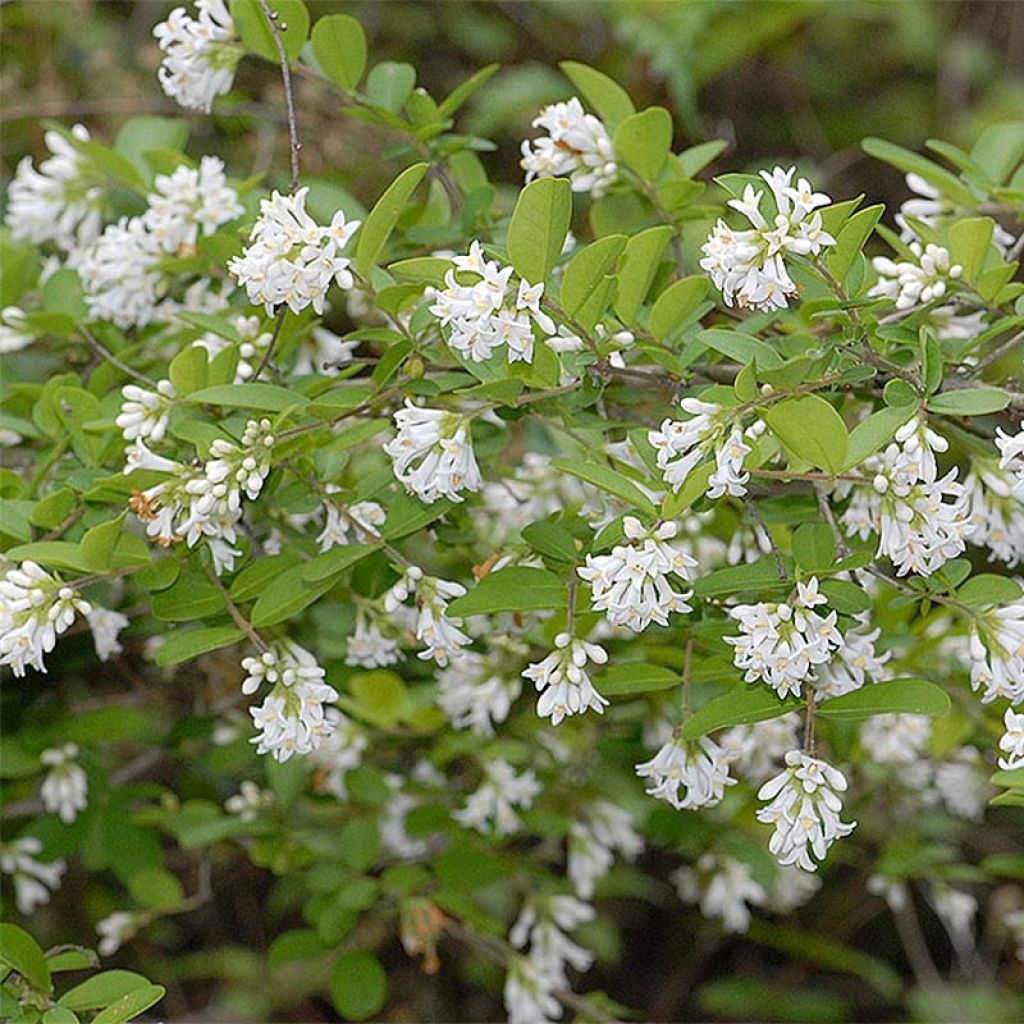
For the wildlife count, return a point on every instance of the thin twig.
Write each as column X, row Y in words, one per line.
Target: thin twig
column 239, row 619
column 278, row 324
column 104, row 353
column 998, row 352
column 825, row 508
column 780, row 565
column 286, row 76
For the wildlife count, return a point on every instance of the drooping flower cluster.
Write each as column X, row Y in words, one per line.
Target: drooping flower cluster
column 145, row 413
column 493, row 803
column 748, row 266
column 896, row 739
column 292, row 718
column 290, row 258
column 577, row 146
column 782, row 643
column 33, row 879
column 681, row 445
column 855, row 663
column 594, row 839
column 35, row 608
column 482, row 314
column 723, row 886
column 360, row 519
column 65, row 790
column 631, row 585
column 804, row 808
column 433, row 453
column 1011, row 452
column 106, row 625
column 368, row 647
column 997, row 653
column 700, row 768
column 441, row 635
column 476, row 691
column 339, row 752
column 1012, row 741
column 916, row 282
column 200, row 54
column 563, row 682
column 997, row 512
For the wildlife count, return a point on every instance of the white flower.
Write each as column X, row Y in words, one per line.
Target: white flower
column 65, row 789
column 439, row 444
column 758, row 750
column 290, row 258
column 114, row 930
column 544, row 923
column 474, row 693
column 896, row 739
column 562, row 679
column 631, row 585
column 593, row 842
column 791, row 888
column 340, row 750
column 962, row 784
column 804, row 808
column 144, row 413
column 894, row 892
column 322, row 351
column 1012, row 741
column 493, row 803
column 723, row 886
column 433, row 627
column 188, row 202
column 956, row 910
column 748, row 266
column 249, row 801
column 15, row 333
column 577, row 146
column 700, row 769
column 528, row 994
column 61, row 201
column 855, row 663
column 918, row 282
column 997, row 512
column 339, row 523
column 106, row 624
column 33, row 879
column 368, row 647
column 1011, row 452
column 996, row 649
column 35, row 608
column 200, row 54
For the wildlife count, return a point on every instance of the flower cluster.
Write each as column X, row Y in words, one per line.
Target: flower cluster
column 804, row 808
column 292, row 718
column 604, row 830
column 757, row 751
column 200, row 54
column 631, row 585
column 33, row 879
column 855, row 663
column 249, row 801
column 699, row 768
column 290, row 258
column 1012, row 741
column 782, row 643
column 35, row 608
column 340, row 750
column 482, row 315
column 65, row 789
column 106, row 626
column 723, row 886
column 368, row 647
column 577, row 146
column 433, row 453
column 997, row 653
column 145, row 413
column 910, row 283
column 340, row 523
column 494, row 801
column 563, row 682
column 476, row 691
column 441, row 635
column 748, row 266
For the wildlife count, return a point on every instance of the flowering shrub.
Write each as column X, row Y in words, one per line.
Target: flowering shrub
column 731, row 472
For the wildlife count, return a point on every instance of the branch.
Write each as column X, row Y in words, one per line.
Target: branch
column 286, row 76
column 104, row 353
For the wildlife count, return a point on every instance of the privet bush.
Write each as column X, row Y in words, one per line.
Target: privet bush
column 616, row 514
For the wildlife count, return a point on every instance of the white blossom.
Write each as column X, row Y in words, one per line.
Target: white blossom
column 105, row 625
column 897, row 739
column 791, row 888
column 543, row 925
column 915, row 282
column 33, row 879
column 892, row 890
column 368, row 647
column 475, row 694
column 145, row 413
column 855, row 663
column 529, row 993
column 996, row 650
column 699, row 768
column 441, row 635
column 1012, row 741
column 562, row 679
column 340, row 524
column 997, row 512
column 188, row 202
column 758, row 750
column 249, row 801
column 956, row 910
column 65, row 790
column 340, row 750
column 15, row 330
column 494, row 801
column 594, row 839
column 723, row 886
column 115, row 930
column 962, row 784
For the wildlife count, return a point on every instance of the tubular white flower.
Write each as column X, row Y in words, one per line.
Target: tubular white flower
column 855, row 663
column 804, row 808
column 593, row 841
column 962, row 784
column 474, row 694
column 65, row 790
column 896, row 739
column 33, row 879
column 1012, row 741
column 340, row 750
column 368, row 647
column 699, row 768
column 562, row 680
column 105, row 625
column 997, row 512
column 190, row 201
column 290, row 258
column 441, row 635
column 249, row 801
column 115, row 930
column 577, row 146
column 996, row 649
column 529, row 993
column 493, row 803
column 340, row 524
column 200, row 54
column 723, row 886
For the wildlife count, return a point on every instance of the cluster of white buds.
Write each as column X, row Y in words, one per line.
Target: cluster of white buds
column 340, row 524
column 441, row 635
column 700, row 768
column 33, row 879
column 996, row 649
column 921, row 520
column 106, row 625
column 439, row 444
column 200, row 54
column 249, row 801
column 35, row 608
column 493, row 803
column 783, row 643
column 339, row 752
column 631, row 585
column 65, row 790
column 594, row 839
column 804, row 808
column 290, row 258
column 475, row 690
column 748, row 266
column 916, row 282
column 1012, row 741
column 683, row 444
column 481, row 312
column 145, row 413
column 577, row 146
column 723, row 886
column 562, row 680
column 368, row 647
column 292, row 718
column 61, row 201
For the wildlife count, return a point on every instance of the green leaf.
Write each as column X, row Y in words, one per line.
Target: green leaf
column 969, row 242
column 293, row 23
column 742, row 705
column 676, row 304
column 587, row 270
column 744, row 348
column 447, row 107
column 810, row 429
column 139, row 135
column 381, row 220
column 58, row 1015
column 21, row 953
column 969, row 402
column 287, row 596
column 55, row 554
column 894, row 696
column 339, row 45
column 76, row 958
column 52, row 510
column 637, row 268
column 101, row 990
column 906, row 160
column 99, row 543
column 257, row 396
column 850, row 240
column 551, row 539
column 540, row 222
column 846, row 597
column 191, row 597
column 987, row 588
column 130, row 1006
column 732, row 579
column 814, row 547
column 336, row 560
column 431, row 269
column 643, row 141
column 627, row 678
column 389, row 84
column 382, row 696
column 254, row 578
column 516, row 589
column 607, row 480
column 999, row 150
column 608, row 99
column 359, row 985
column 408, row 515
column 696, row 158
column 187, row 644
column 189, row 369
column 875, row 432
